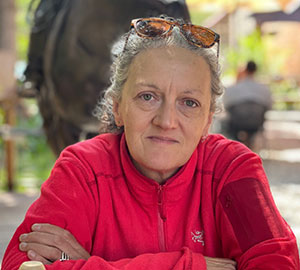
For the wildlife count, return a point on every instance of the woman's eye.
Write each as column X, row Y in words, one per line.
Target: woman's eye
column 146, row 97
column 190, row 103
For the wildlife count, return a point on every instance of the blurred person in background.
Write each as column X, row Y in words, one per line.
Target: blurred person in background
column 155, row 190
column 246, row 103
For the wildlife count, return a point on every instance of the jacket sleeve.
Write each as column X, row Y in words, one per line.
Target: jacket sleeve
column 251, row 229
column 69, row 199
column 178, row 260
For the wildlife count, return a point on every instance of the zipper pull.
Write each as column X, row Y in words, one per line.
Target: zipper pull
column 160, row 203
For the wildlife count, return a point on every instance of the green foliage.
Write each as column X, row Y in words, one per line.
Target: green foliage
column 286, row 94
column 198, row 17
column 35, row 161
column 35, row 158
column 23, row 28
column 2, row 116
column 248, row 48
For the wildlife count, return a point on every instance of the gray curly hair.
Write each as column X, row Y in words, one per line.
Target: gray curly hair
column 123, row 57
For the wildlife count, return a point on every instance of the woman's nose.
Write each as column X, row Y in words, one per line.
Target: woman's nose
column 166, row 116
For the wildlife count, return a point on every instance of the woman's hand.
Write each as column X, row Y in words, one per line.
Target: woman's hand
column 220, row 264
column 46, row 243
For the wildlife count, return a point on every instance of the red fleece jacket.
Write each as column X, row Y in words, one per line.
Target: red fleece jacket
column 219, row 205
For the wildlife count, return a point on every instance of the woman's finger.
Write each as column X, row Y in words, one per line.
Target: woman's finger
column 37, row 237
column 36, row 257
column 55, row 230
column 47, row 252
column 48, row 239
column 220, row 264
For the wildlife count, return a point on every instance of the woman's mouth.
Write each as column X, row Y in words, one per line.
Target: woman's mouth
column 163, row 139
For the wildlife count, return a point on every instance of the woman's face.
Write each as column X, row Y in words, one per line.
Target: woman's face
column 165, row 109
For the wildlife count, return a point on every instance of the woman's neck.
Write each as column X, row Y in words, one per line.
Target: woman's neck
column 157, row 176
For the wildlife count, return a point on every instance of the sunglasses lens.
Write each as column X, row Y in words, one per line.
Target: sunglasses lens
column 199, row 35
column 157, row 27
column 152, row 28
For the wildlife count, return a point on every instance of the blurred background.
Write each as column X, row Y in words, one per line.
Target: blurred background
column 37, row 118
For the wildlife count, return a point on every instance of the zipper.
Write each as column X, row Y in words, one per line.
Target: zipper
column 161, row 220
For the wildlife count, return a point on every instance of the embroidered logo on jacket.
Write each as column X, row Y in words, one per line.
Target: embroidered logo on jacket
column 198, row 236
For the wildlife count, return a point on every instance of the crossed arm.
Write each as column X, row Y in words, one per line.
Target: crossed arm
column 46, row 242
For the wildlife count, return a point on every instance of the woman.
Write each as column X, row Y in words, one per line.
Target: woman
column 156, row 191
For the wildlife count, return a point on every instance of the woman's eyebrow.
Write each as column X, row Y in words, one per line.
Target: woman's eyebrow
column 192, row 92
column 149, row 85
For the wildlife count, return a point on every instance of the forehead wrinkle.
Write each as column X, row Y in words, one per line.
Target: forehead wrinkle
column 191, row 91
column 150, row 85
column 154, row 86
column 171, row 78
column 198, row 92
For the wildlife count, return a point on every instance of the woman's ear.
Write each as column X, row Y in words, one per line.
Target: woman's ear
column 117, row 113
column 208, row 124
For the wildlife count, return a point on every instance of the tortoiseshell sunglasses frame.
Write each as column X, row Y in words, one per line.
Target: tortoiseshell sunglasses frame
column 182, row 27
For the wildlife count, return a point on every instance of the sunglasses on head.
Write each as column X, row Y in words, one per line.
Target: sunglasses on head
column 158, row 27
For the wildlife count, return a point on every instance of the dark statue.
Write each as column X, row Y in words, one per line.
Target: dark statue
column 69, row 59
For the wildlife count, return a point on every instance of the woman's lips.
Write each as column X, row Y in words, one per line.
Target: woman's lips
column 162, row 139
